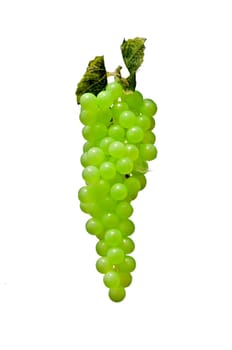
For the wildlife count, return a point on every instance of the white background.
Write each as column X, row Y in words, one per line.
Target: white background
column 51, row 296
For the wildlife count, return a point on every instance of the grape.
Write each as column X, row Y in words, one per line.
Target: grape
column 133, row 186
column 110, row 220
column 125, row 279
column 88, row 101
column 117, row 149
column 113, row 237
column 103, row 265
column 102, row 248
column 132, row 151
column 124, row 209
column 148, row 107
column 148, row 151
column 94, row 226
column 127, row 119
column 95, row 156
column 117, row 132
column 91, row 174
column 115, row 89
column 128, row 265
column 135, row 134
column 85, row 194
column 118, row 108
column 134, row 100
column 105, row 143
column 101, row 188
column 115, row 255
column 112, row 279
column 117, row 127
column 144, row 122
column 107, row 170
column 117, row 294
column 88, row 117
column 84, row 159
column 118, row 191
column 126, row 226
column 127, row 245
column 149, row 137
column 124, row 165
column 104, row 99
column 142, row 180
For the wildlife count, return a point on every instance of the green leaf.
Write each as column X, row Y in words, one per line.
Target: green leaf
column 94, row 79
column 133, row 53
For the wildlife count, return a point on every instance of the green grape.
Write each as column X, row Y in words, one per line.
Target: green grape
column 133, row 186
column 134, row 100
column 118, row 191
column 118, row 108
column 124, row 165
column 103, row 265
column 117, row 294
column 124, row 209
column 88, row 117
column 111, row 279
column 87, row 133
column 152, row 123
column 127, row 245
column 100, row 189
column 144, row 122
column 115, row 255
column 148, row 107
column 91, row 174
column 95, row 210
column 127, row 227
column 94, row 226
column 107, row 170
column 117, row 132
column 113, row 237
column 119, row 143
column 148, row 151
column 128, row 264
column 117, row 149
column 102, row 248
column 149, row 137
column 142, row 180
column 110, row 220
column 88, row 101
column 99, row 131
column 115, row 89
column 105, row 116
column 135, row 134
column 119, row 178
column 84, row 159
column 132, row 151
column 87, row 145
column 86, row 207
column 85, row 194
column 107, row 204
column 95, row 156
column 105, row 143
column 141, row 166
column 104, row 99
column 127, row 119
column 125, row 279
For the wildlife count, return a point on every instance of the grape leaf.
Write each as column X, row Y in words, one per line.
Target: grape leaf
column 94, row 79
column 133, row 53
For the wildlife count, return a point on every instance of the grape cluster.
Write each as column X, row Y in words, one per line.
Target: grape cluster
column 119, row 143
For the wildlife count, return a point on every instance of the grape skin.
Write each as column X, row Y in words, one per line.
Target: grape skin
column 117, row 127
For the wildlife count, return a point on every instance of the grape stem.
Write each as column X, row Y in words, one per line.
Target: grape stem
column 118, row 77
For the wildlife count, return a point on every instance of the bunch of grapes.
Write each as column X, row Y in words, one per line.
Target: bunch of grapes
column 119, row 144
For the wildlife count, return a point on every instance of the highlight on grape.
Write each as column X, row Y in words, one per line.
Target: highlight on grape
column 118, row 125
